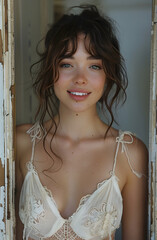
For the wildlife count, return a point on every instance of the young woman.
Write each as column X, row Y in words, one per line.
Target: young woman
column 76, row 176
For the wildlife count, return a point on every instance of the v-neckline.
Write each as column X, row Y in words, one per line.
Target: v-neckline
column 82, row 200
column 88, row 196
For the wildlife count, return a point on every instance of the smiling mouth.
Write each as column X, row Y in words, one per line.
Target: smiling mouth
column 78, row 93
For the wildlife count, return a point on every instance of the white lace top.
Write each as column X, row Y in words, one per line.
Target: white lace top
column 97, row 216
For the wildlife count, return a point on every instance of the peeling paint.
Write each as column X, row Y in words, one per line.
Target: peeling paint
column 2, row 223
column 7, row 103
column 1, row 48
column 1, row 174
column 155, row 18
column 1, row 117
column 153, row 130
column 154, row 86
column 6, row 25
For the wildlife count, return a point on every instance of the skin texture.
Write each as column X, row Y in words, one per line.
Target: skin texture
column 75, row 73
column 87, row 158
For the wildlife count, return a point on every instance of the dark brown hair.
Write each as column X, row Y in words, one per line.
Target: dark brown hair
column 103, row 44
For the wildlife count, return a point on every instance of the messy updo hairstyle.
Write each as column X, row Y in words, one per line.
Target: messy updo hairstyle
column 102, row 44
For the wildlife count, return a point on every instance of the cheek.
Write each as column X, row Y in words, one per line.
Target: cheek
column 99, row 84
column 57, row 88
column 61, row 86
column 61, row 83
column 65, row 75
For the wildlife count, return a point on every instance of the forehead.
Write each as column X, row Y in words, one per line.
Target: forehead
column 83, row 41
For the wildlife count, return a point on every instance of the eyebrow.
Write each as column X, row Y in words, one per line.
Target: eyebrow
column 90, row 57
column 93, row 57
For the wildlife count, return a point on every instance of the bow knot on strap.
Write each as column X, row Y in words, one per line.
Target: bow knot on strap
column 36, row 131
column 120, row 139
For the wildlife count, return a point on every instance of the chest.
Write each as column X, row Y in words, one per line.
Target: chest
column 97, row 215
column 71, row 171
column 75, row 164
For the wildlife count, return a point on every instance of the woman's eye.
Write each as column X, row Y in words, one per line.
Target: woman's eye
column 65, row 65
column 96, row 67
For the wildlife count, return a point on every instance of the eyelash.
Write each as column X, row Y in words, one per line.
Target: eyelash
column 64, row 65
column 96, row 67
column 67, row 65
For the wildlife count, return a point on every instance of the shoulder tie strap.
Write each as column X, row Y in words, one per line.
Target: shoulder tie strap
column 120, row 139
column 35, row 132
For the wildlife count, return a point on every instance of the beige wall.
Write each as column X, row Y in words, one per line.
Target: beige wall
column 134, row 25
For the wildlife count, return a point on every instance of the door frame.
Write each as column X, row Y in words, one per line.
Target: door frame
column 152, row 224
column 8, row 122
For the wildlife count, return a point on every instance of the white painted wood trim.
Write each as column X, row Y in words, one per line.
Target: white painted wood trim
column 153, row 130
column 7, row 120
column 7, row 123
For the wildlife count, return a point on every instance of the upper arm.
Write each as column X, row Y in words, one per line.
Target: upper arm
column 22, row 144
column 135, row 194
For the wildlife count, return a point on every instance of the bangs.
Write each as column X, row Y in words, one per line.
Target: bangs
column 66, row 37
column 91, row 46
column 70, row 44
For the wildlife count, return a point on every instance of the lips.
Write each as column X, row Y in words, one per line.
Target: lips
column 78, row 95
column 78, row 92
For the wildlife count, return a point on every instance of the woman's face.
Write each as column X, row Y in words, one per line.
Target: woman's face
column 81, row 80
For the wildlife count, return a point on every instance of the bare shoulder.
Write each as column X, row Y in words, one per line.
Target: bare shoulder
column 22, row 138
column 135, row 146
column 135, row 190
column 22, row 129
column 23, row 144
column 23, row 151
column 137, row 153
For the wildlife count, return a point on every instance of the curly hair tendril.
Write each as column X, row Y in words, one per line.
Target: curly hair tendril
column 103, row 44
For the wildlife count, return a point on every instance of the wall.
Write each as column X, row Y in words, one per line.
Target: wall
column 134, row 30
column 133, row 21
column 134, row 24
column 31, row 24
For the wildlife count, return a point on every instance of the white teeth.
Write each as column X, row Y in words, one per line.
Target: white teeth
column 79, row 93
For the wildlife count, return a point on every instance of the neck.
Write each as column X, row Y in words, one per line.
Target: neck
column 80, row 125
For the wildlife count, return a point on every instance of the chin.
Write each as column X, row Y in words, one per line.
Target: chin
column 79, row 108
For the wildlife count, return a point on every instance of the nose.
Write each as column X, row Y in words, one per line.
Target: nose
column 80, row 78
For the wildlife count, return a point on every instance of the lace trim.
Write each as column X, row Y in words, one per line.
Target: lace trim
column 82, row 201
column 65, row 233
column 36, row 208
column 102, row 221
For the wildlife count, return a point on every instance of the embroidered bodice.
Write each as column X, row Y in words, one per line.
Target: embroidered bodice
column 97, row 216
